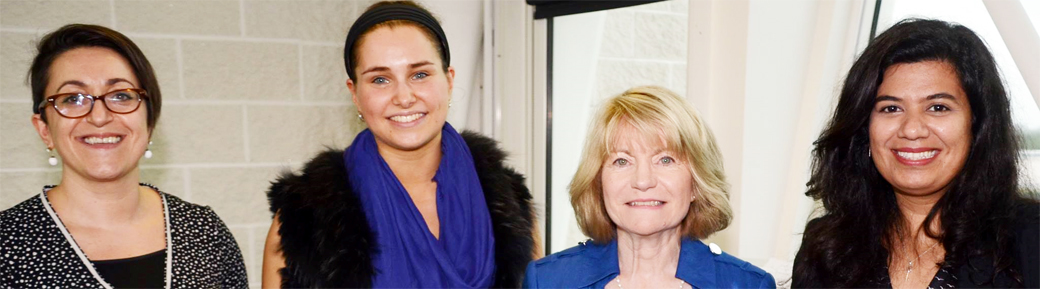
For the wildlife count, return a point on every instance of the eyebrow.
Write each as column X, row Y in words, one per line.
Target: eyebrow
column 420, row 64
column 410, row 66
column 81, row 84
column 941, row 95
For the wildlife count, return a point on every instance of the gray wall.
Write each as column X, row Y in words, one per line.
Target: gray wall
column 250, row 88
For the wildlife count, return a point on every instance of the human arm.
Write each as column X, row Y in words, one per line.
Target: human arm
column 232, row 267
column 274, row 261
column 529, row 276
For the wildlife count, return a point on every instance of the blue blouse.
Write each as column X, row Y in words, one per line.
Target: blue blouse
column 591, row 265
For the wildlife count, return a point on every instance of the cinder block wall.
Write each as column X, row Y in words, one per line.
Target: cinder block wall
column 643, row 45
column 250, row 88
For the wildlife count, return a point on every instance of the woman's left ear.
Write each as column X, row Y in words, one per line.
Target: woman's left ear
column 451, row 78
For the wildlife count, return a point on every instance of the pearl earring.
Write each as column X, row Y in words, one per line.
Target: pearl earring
column 52, row 160
column 148, row 152
column 360, row 117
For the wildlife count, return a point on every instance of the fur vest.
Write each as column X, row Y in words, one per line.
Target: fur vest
column 327, row 242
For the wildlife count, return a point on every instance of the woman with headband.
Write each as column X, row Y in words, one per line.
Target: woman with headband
column 411, row 202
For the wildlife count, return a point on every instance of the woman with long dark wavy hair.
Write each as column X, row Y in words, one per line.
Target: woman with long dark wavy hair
column 917, row 172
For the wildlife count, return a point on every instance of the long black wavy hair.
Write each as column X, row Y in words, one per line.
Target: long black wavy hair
column 846, row 246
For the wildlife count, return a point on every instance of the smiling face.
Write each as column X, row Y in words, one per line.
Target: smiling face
column 920, row 129
column 401, row 90
column 101, row 146
column 647, row 189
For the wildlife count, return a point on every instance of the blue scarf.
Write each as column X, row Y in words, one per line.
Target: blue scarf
column 408, row 255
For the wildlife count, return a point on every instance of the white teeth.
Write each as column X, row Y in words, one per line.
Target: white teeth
column 918, row 156
column 646, row 203
column 102, row 140
column 406, row 118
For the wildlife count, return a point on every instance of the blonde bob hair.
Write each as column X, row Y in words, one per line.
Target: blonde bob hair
column 655, row 112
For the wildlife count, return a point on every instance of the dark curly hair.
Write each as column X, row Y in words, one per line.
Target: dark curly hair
column 847, row 245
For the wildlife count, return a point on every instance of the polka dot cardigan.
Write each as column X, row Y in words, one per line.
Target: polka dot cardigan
column 36, row 250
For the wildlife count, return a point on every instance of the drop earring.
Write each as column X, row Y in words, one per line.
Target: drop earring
column 148, row 152
column 52, row 160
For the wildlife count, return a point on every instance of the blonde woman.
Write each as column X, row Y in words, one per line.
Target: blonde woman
column 650, row 185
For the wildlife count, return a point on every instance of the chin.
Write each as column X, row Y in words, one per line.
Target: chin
column 410, row 142
column 647, row 229
column 108, row 173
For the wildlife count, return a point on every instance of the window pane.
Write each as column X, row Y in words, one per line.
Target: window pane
column 597, row 55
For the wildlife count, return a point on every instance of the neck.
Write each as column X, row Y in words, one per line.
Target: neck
column 414, row 166
column 98, row 203
column 916, row 208
column 649, row 257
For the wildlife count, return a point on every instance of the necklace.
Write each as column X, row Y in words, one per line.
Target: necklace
column 86, row 261
column 619, row 282
column 910, row 265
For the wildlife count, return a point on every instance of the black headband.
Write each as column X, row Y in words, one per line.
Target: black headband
column 393, row 12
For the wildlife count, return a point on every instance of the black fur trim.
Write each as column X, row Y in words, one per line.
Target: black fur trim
column 326, row 239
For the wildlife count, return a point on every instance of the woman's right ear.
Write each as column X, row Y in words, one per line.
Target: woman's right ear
column 42, row 129
column 353, row 91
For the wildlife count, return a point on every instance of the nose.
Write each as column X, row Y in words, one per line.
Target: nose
column 99, row 114
column 644, row 179
column 405, row 96
column 913, row 127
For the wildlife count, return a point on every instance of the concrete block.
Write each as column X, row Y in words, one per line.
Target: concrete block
column 324, row 77
column 616, row 76
column 662, row 6
column 170, row 181
column 295, row 133
column 312, row 20
column 50, row 14
column 681, row 6
column 257, row 253
column 205, row 17
column 660, row 36
column 241, row 70
column 189, row 134
column 238, row 195
column 617, row 34
column 16, row 54
column 20, row 186
column 162, row 54
column 20, row 145
column 678, row 83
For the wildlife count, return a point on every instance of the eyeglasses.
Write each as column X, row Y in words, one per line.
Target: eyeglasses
column 77, row 105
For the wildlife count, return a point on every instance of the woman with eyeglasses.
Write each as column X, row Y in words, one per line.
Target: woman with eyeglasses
column 96, row 101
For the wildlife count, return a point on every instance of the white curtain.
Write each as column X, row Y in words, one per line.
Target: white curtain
column 797, row 53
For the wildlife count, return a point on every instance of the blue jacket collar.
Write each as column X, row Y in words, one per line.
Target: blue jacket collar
column 696, row 264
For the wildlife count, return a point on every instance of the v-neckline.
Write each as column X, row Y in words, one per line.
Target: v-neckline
column 83, row 257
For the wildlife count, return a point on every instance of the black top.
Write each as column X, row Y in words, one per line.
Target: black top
column 145, row 271
column 943, row 279
column 975, row 272
column 327, row 242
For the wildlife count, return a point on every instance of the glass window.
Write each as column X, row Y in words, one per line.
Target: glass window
column 595, row 56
